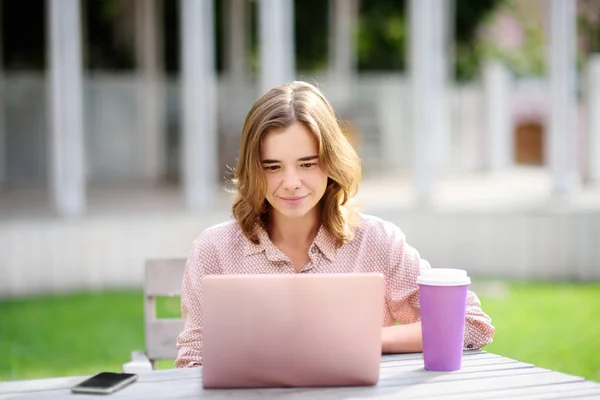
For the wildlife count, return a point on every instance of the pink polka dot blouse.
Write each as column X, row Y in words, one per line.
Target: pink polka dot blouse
column 377, row 246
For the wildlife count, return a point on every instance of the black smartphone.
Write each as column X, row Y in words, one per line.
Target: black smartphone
column 104, row 383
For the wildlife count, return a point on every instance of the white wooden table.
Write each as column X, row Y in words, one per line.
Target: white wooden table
column 483, row 376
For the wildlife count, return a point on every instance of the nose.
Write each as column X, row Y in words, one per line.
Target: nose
column 291, row 180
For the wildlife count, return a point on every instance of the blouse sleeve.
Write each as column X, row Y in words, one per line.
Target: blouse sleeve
column 202, row 260
column 402, row 292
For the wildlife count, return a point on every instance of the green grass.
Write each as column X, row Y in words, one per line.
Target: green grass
column 552, row 326
column 76, row 334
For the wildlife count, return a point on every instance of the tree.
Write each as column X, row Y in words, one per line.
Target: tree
column 383, row 33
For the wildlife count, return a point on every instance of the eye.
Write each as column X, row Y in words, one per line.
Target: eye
column 271, row 168
column 308, row 165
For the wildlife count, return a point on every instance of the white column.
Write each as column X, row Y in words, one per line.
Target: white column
column 593, row 114
column 199, row 144
column 441, row 26
column 427, row 85
column 277, row 50
column 498, row 133
column 66, row 107
column 151, row 114
column 237, row 88
column 448, row 26
column 561, row 153
column 471, row 128
column 395, row 148
column 237, row 34
column 3, row 158
column 343, row 16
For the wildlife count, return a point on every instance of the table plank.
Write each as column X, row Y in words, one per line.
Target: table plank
column 393, row 369
column 465, row 359
column 407, row 364
column 39, row 384
column 478, row 387
column 192, row 388
column 560, row 390
column 161, row 375
column 405, row 371
column 590, row 393
column 483, row 376
column 419, row 356
column 36, row 385
column 423, row 376
column 467, row 362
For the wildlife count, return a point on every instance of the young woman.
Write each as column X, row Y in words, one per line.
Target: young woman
column 295, row 175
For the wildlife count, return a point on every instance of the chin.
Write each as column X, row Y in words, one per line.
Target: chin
column 294, row 212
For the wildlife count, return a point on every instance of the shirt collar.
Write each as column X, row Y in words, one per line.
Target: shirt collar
column 324, row 242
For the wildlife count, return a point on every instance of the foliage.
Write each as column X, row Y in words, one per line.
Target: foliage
column 528, row 19
column 23, row 27
column 312, row 34
column 528, row 55
column 470, row 15
column 382, row 35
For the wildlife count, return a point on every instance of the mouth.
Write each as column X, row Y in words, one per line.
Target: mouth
column 293, row 200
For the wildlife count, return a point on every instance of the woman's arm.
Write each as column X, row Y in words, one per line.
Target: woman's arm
column 402, row 338
column 201, row 261
column 402, row 298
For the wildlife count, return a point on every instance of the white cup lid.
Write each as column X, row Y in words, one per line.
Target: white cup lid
column 443, row 277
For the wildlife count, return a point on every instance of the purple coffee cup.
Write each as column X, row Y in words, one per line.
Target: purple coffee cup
column 443, row 303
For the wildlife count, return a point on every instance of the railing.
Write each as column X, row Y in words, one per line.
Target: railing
column 377, row 107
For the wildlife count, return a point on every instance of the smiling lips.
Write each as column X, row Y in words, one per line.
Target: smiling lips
column 293, row 200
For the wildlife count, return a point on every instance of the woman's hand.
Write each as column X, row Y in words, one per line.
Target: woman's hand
column 402, row 339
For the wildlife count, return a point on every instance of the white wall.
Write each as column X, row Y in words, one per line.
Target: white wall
column 103, row 252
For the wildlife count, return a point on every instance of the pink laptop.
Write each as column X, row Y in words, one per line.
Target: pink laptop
column 296, row 330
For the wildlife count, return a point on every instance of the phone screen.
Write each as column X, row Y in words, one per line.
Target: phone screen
column 105, row 381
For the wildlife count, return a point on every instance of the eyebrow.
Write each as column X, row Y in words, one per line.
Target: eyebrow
column 307, row 158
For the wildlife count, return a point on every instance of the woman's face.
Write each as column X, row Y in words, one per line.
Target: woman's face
column 295, row 180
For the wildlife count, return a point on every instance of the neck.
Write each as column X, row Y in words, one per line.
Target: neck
column 297, row 231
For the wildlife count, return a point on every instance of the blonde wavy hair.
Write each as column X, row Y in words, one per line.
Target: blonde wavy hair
column 277, row 109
